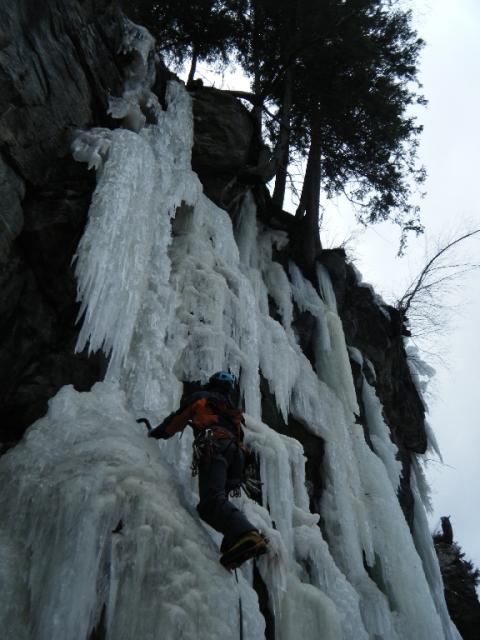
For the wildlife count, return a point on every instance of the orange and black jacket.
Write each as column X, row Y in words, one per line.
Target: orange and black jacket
column 203, row 410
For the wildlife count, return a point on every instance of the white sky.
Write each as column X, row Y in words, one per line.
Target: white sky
column 450, row 73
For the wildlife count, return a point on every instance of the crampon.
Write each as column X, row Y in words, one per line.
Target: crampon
column 250, row 545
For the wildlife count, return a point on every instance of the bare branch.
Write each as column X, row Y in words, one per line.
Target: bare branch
column 420, row 283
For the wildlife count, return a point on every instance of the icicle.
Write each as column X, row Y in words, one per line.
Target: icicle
column 421, row 372
column 380, row 434
column 326, row 288
column 122, row 258
column 114, row 252
column 331, row 355
column 136, row 99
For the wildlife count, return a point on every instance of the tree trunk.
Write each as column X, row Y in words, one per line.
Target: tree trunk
column 308, row 237
column 257, row 109
column 282, row 148
column 193, row 66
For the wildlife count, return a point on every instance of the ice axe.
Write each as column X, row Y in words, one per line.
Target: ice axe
column 146, row 423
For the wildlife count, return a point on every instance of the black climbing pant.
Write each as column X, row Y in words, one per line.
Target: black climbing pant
column 221, row 470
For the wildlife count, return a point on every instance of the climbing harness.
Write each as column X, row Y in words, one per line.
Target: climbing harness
column 252, row 488
column 203, row 447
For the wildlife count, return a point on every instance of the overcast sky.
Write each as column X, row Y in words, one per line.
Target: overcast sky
column 450, row 149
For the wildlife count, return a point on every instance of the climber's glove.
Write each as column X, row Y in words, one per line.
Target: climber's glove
column 160, row 432
column 157, row 432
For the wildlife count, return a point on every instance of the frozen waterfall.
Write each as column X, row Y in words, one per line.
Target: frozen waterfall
column 99, row 528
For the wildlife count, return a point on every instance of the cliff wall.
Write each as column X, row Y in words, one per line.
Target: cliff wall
column 325, row 377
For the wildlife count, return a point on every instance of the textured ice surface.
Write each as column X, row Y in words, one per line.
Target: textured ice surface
column 146, row 178
column 380, row 434
column 106, row 524
column 421, row 372
column 136, row 100
column 107, row 534
column 92, row 147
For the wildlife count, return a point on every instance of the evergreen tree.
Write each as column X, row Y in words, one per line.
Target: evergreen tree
column 195, row 30
column 341, row 76
column 353, row 80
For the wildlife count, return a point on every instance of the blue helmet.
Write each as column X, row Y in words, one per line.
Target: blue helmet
column 224, row 379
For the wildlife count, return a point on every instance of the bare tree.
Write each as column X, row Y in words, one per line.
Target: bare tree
column 425, row 302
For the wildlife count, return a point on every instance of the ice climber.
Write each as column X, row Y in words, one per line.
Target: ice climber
column 219, row 457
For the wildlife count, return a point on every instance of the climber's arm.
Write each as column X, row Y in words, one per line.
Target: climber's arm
column 173, row 423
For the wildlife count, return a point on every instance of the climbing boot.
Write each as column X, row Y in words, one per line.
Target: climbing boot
column 250, row 545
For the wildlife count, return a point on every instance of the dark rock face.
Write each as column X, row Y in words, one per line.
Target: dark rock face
column 405, row 493
column 304, row 325
column 223, row 142
column 12, row 191
column 57, row 68
column 223, row 132
column 37, row 349
column 379, row 337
